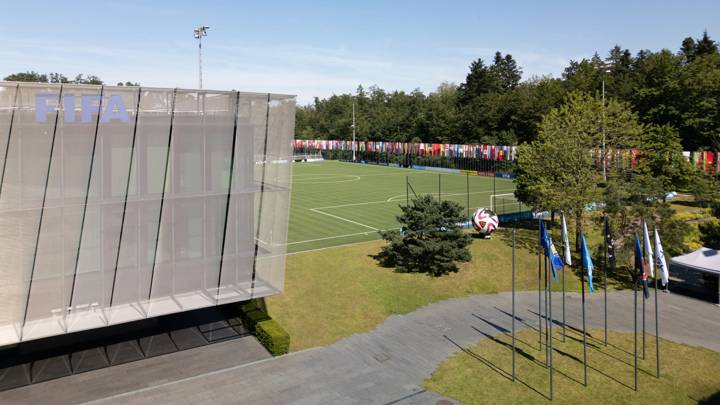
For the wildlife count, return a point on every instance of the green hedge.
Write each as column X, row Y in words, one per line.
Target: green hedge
column 254, row 317
column 273, row 337
column 268, row 332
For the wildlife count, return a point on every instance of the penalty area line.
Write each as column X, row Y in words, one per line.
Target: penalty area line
column 331, row 237
column 343, row 219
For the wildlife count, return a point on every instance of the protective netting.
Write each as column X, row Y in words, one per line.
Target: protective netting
column 470, row 191
column 151, row 206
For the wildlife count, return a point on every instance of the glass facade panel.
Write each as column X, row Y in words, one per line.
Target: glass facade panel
column 274, row 196
column 21, row 200
column 99, row 244
column 118, row 204
column 239, row 247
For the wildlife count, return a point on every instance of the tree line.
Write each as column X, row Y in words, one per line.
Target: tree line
column 54, row 77
column 493, row 105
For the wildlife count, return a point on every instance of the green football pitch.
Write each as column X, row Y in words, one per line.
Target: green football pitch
column 336, row 203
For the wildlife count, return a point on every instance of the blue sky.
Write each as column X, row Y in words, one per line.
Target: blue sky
column 320, row 48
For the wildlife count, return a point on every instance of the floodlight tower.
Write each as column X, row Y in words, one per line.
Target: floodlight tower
column 353, row 128
column 198, row 33
column 606, row 69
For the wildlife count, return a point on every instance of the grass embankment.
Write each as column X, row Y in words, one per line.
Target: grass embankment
column 480, row 374
column 333, row 293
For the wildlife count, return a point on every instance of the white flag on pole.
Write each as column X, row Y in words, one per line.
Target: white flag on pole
column 647, row 248
column 566, row 244
column 660, row 259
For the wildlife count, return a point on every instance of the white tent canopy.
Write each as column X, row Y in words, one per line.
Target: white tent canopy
column 703, row 259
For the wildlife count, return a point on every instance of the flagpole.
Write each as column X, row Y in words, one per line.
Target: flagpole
column 563, row 303
column 582, row 289
column 605, row 279
column 566, row 250
column 550, row 335
column 644, row 253
column 636, row 328
column 513, row 304
column 643, row 327
column 539, row 291
column 657, row 334
column 547, row 329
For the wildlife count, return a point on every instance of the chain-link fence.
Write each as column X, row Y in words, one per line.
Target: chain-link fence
column 470, row 192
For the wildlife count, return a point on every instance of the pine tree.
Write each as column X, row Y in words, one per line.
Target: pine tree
column 705, row 45
column 688, row 49
column 431, row 240
column 480, row 80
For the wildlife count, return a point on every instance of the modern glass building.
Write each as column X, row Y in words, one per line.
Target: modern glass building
column 124, row 203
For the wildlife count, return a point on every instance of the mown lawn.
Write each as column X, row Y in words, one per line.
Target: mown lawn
column 480, row 374
column 333, row 293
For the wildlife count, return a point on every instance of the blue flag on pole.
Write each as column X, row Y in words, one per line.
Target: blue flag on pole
column 640, row 268
column 586, row 261
column 556, row 262
column 543, row 236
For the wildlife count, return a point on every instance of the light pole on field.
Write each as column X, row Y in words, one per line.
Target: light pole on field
column 353, row 129
column 198, row 33
column 604, row 155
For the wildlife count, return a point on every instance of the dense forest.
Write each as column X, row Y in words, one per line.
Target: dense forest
column 680, row 89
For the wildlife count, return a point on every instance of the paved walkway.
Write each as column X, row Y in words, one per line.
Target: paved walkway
column 387, row 365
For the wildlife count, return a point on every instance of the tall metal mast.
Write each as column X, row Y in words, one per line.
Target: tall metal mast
column 198, row 33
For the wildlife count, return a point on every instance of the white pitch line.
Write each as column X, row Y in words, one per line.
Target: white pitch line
column 331, row 237
column 342, row 219
column 349, row 205
column 391, row 200
column 305, row 181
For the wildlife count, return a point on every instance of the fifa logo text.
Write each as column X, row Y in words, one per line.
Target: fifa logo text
column 113, row 108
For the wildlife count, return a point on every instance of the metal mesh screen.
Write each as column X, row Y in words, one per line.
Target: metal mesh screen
column 118, row 204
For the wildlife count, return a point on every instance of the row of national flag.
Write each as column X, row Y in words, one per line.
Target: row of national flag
column 476, row 151
column 647, row 259
column 707, row 161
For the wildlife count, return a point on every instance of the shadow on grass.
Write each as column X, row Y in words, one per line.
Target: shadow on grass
column 598, row 347
column 509, row 346
column 590, row 336
column 577, row 359
column 495, row 368
column 526, row 355
column 688, row 203
column 384, row 260
column 557, row 350
column 712, row 399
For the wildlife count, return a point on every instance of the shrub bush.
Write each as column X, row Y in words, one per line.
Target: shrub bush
column 252, row 314
column 267, row 331
column 275, row 339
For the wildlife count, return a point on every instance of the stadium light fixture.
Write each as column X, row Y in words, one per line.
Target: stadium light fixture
column 353, row 128
column 198, row 33
column 606, row 69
